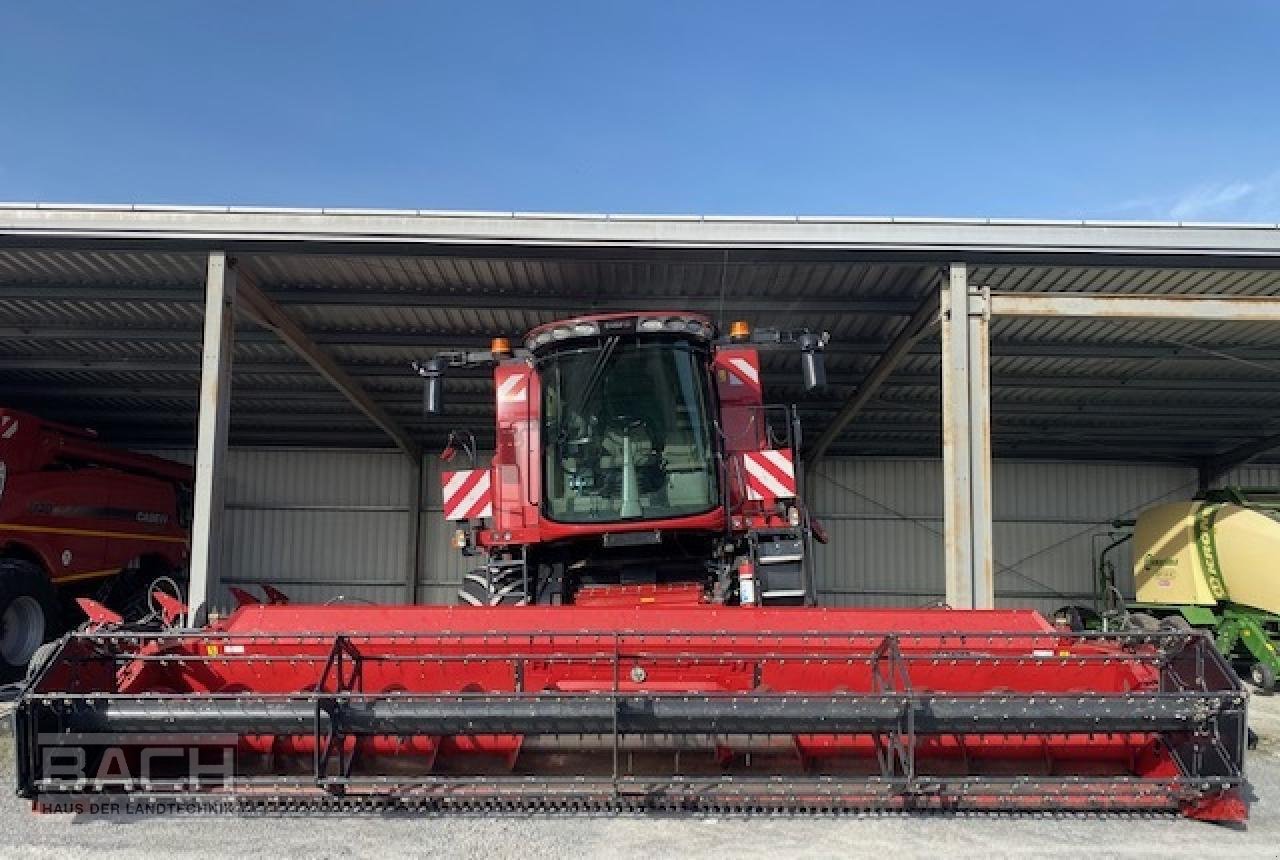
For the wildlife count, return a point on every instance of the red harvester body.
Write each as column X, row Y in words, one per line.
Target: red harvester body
column 634, row 650
column 78, row 517
column 633, row 453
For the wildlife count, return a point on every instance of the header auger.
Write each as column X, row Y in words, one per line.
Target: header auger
column 636, row 639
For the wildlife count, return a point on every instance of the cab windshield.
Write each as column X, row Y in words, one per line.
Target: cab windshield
column 627, row 432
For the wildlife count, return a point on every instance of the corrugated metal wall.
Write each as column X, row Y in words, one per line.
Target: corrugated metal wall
column 328, row 523
column 884, row 518
column 320, row 524
column 441, row 566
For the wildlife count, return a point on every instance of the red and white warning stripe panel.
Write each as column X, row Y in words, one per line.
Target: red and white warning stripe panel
column 738, row 369
column 514, row 389
column 771, row 475
column 743, row 372
column 467, row 494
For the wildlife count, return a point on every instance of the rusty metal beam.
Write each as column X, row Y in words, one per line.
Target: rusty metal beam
column 921, row 323
column 1128, row 306
column 271, row 316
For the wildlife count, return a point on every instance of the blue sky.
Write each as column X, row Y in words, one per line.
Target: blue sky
column 1003, row 109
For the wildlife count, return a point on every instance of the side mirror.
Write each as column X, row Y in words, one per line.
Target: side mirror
column 812, row 362
column 433, row 386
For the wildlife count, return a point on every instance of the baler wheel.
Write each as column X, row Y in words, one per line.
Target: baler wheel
column 1176, row 623
column 481, row 588
column 1263, row 677
column 1144, row 622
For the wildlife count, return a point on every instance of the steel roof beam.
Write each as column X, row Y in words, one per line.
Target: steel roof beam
column 1240, row 422
column 1090, row 382
column 1127, row 306
column 922, row 322
column 564, row 301
column 1019, row 447
column 270, row 315
column 341, row 420
column 568, row 303
column 1130, row 408
column 373, row 231
column 394, row 371
column 428, row 339
column 912, row 446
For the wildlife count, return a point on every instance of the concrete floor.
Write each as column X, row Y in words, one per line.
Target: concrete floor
column 25, row 834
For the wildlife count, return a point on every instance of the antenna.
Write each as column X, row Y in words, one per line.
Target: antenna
column 724, row 272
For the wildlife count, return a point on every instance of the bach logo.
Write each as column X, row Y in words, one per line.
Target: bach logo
column 208, row 761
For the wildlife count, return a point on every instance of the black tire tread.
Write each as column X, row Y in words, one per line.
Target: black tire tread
column 1268, row 680
column 479, row 588
column 22, row 578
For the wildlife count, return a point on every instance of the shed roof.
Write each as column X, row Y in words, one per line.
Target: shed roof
column 101, row 307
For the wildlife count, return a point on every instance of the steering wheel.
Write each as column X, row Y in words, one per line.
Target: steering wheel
column 625, row 425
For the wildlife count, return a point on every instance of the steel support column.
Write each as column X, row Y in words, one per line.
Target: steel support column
column 416, row 475
column 966, row 443
column 211, row 436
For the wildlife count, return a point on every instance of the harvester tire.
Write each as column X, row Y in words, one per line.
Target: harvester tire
column 28, row 615
column 1263, row 677
column 480, row 588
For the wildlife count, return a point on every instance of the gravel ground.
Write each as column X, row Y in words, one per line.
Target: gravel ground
column 60, row 836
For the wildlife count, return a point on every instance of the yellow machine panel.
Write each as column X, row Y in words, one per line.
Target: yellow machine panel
column 1248, row 546
column 1165, row 566
column 1201, row 553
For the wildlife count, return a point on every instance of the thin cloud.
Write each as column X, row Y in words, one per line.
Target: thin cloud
column 1231, row 200
column 1210, row 199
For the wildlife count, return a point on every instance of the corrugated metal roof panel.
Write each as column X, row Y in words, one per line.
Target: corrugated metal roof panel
column 141, row 351
column 59, row 267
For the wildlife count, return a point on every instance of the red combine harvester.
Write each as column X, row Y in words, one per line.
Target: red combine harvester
column 79, row 518
column 627, row 645
column 635, row 463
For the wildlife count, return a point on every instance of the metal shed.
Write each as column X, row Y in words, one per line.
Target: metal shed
column 1099, row 364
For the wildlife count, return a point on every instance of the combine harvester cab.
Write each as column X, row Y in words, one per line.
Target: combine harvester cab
column 636, row 638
